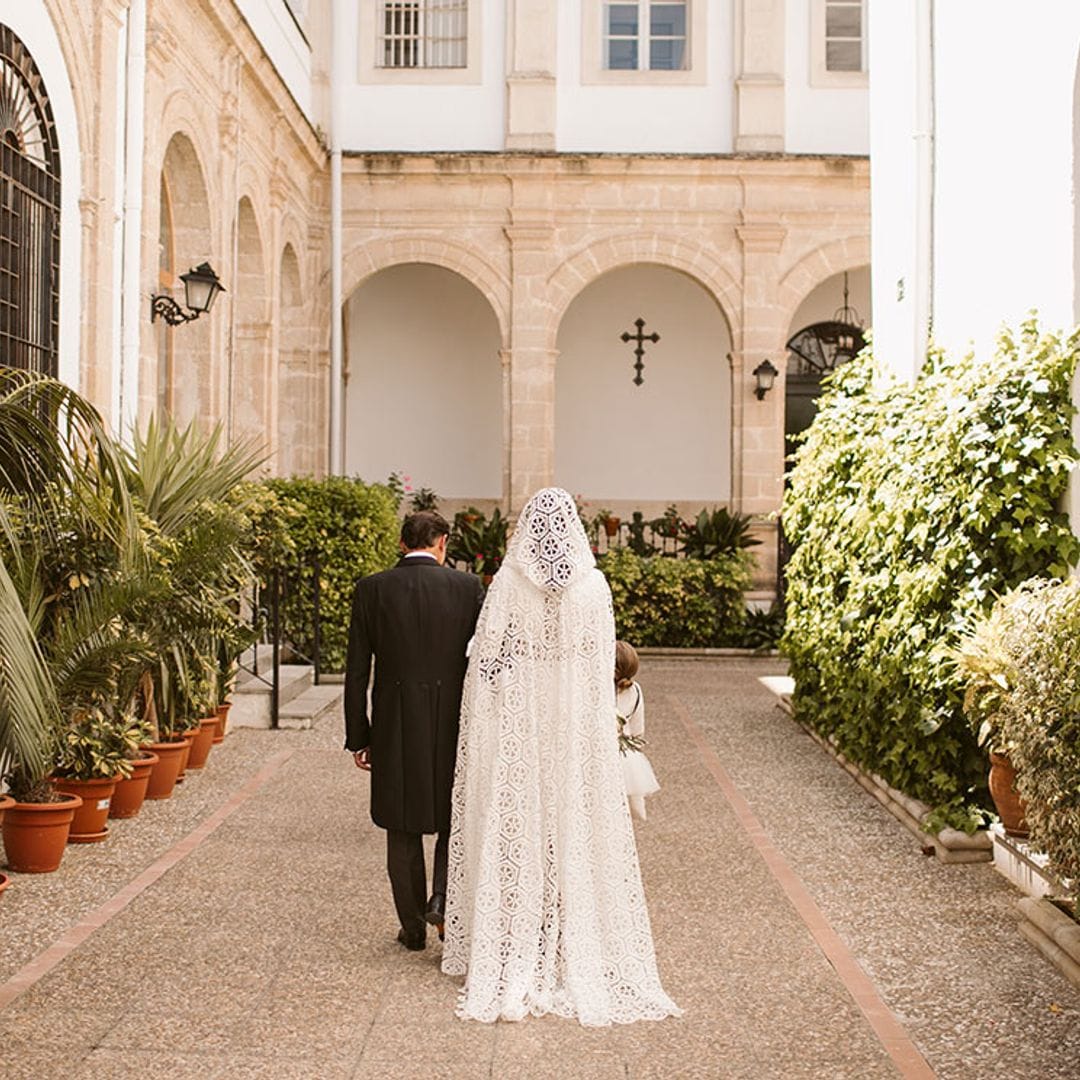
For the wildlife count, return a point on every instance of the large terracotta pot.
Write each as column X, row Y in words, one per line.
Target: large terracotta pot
column 163, row 774
column 5, row 802
column 131, row 791
column 89, row 826
column 1010, row 806
column 223, row 721
column 185, row 756
column 35, row 834
column 5, row 881
column 201, row 743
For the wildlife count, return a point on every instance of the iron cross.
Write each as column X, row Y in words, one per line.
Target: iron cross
column 639, row 352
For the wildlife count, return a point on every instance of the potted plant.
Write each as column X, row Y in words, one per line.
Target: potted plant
column 608, row 521
column 478, row 543
column 716, row 532
column 95, row 755
column 987, row 665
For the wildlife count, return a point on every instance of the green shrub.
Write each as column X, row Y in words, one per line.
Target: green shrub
column 910, row 506
column 677, row 602
column 354, row 528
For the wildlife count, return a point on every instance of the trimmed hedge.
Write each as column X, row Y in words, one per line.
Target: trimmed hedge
column 684, row 603
column 911, row 506
column 354, row 527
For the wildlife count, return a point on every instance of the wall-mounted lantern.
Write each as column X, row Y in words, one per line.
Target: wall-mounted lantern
column 765, row 375
column 201, row 287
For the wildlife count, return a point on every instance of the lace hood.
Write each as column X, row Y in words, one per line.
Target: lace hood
column 549, row 545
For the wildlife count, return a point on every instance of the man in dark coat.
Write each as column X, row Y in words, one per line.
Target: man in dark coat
column 416, row 620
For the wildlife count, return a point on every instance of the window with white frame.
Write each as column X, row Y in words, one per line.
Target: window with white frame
column 845, row 35
column 646, row 35
column 424, row 34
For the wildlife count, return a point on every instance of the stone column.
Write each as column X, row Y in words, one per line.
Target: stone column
column 759, row 79
column 531, row 390
column 759, row 425
column 531, row 37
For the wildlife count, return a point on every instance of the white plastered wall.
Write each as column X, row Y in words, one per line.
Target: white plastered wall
column 424, row 383
column 668, row 439
column 33, row 26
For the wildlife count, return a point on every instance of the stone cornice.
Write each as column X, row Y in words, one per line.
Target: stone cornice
column 763, row 237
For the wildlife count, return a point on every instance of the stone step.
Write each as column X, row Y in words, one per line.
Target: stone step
column 311, row 706
column 251, row 694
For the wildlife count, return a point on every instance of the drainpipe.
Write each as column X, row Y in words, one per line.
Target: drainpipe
column 131, row 305
column 924, row 180
column 338, row 63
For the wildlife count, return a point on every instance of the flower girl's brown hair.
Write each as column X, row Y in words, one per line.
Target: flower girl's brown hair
column 626, row 663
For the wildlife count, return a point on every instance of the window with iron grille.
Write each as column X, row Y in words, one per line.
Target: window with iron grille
column 424, row 34
column 29, row 214
column 647, row 35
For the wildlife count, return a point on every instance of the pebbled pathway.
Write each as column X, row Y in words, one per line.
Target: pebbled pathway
column 245, row 929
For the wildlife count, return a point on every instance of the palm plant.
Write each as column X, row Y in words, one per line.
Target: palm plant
column 192, row 487
column 68, row 538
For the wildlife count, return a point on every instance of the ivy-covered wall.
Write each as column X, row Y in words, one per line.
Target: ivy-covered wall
column 911, row 506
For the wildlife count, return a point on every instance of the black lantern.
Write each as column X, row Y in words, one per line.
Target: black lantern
column 201, row 287
column 765, row 374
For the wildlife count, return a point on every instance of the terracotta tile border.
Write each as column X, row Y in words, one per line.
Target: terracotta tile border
column 890, row 1033
column 73, row 937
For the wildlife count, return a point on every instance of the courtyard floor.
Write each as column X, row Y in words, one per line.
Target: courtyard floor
column 244, row 928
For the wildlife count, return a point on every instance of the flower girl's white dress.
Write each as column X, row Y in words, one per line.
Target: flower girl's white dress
column 638, row 774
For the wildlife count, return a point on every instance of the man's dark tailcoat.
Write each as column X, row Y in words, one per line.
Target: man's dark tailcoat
column 416, row 619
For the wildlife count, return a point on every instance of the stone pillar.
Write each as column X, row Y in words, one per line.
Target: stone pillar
column 531, row 382
column 531, row 32
column 759, row 79
column 759, row 425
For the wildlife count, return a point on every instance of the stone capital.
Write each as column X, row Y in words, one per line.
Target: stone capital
column 530, row 237
column 764, row 237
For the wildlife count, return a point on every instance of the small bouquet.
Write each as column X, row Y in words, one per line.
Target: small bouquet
column 629, row 743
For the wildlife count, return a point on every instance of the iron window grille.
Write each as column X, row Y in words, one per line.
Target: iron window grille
column 424, row 34
column 647, row 35
column 29, row 214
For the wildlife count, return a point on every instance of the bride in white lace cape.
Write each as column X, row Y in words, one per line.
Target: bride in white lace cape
column 545, row 911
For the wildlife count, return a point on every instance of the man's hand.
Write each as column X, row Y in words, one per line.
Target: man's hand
column 363, row 758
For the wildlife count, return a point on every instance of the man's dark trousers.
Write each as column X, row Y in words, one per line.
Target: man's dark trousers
column 408, row 877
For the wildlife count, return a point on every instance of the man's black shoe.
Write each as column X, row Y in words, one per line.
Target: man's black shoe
column 436, row 909
column 436, row 913
column 413, row 944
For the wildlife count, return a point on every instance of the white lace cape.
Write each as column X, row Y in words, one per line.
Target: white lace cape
column 545, row 910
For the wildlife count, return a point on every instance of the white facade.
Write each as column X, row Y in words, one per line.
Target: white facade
column 535, row 79
column 973, row 143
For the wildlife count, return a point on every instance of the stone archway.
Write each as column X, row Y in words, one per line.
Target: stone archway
column 185, row 376
column 667, row 440
column 802, row 382
column 250, row 377
column 298, row 386
column 424, row 383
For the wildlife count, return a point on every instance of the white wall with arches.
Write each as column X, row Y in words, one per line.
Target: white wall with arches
column 424, row 383
column 668, row 439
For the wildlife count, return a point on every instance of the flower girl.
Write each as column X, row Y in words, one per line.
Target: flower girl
column 638, row 775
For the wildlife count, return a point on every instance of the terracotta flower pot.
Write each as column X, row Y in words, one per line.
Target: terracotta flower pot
column 185, row 756
column 201, row 743
column 5, row 802
column 35, row 834
column 223, row 721
column 163, row 774
column 130, row 792
column 89, row 826
column 1010, row 806
column 611, row 525
column 5, row 881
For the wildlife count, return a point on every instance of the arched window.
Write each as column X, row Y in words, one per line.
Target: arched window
column 29, row 214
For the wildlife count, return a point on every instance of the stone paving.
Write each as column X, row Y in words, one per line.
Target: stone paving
column 267, row 949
